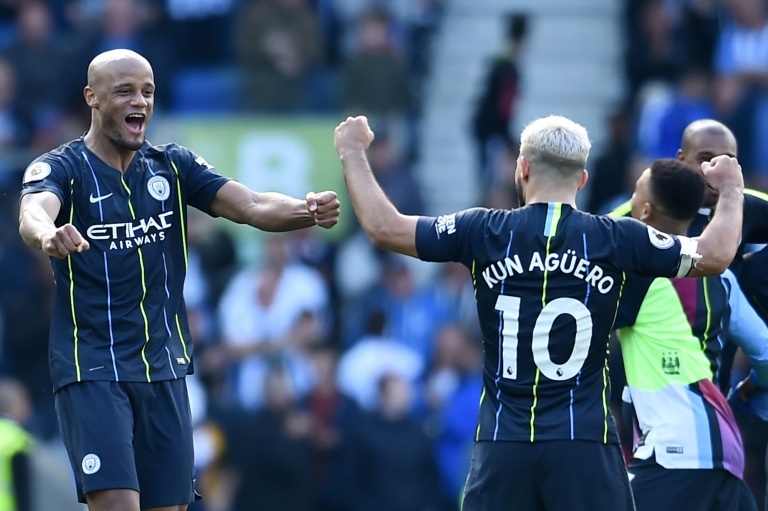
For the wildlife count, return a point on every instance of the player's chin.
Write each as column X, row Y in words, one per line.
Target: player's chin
column 134, row 141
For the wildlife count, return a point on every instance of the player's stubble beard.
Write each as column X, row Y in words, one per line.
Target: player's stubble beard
column 114, row 132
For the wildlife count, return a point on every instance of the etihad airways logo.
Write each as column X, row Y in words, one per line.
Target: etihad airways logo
column 132, row 234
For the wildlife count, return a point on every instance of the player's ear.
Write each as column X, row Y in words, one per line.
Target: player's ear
column 584, row 179
column 646, row 213
column 525, row 167
column 90, row 97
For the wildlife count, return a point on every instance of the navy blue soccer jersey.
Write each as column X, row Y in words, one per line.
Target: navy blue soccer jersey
column 119, row 309
column 548, row 280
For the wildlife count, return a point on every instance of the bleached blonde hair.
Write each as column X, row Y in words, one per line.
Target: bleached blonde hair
column 556, row 143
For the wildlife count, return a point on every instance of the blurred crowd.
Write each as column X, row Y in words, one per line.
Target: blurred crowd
column 683, row 60
column 330, row 375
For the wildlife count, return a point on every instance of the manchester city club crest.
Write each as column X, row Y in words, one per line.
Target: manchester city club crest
column 159, row 188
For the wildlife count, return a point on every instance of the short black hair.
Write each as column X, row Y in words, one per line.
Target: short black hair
column 676, row 188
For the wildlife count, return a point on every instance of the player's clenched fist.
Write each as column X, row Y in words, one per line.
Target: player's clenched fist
column 324, row 207
column 354, row 134
column 723, row 173
column 63, row 241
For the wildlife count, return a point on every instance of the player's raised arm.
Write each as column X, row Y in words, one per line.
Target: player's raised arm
column 36, row 226
column 275, row 212
column 718, row 243
column 382, row 222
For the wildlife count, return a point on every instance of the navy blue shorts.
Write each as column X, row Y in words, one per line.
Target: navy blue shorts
column 129, row 435
column 670, row 489
column 562, row 475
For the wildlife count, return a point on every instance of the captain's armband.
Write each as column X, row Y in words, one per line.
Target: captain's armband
column 689, row 255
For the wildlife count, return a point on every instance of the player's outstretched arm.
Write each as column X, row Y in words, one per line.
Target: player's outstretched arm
column 720, row 240
column 275, row 212
column 382, row 222
column 38, row 230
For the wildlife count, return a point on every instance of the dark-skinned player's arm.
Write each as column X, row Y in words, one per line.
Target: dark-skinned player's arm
column 718, row 243
column 275, row 212
column 382, row 222
column 37, row 212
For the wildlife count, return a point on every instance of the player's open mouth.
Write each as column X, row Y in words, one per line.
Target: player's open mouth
column 135, row 123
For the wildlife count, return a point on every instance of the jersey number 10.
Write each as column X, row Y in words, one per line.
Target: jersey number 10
column 509, row 306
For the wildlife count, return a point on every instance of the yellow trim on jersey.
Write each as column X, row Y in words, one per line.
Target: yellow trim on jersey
column 181, row 336
column 756, row 193
column 607, row 356
column 143, row 286
column 72, row 285
column 535, row 400
column 184, row 245
column 621, row 210
column 474, row 276
column 554, row 211
column 181, row 215
column 708, row 324
column 477, row 431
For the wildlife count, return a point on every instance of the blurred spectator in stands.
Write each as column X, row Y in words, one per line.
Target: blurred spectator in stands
column 500, row 192
column 215, row 246
column 654, row 49
column 270, row 314
column 497, row 104
column 372, row 356
column 40, row 64
column 394, row 176
column 413, row 309
column 422, row 25
column 391, row 460
column 111, row 24
column 16, row 127
column 277, row 42
column 663, row 115
column 742, row 83
column 16, row 491
column 272, row 451
column 374, row 80
column 8, row 28
column 313, row 250
column 609, row 170
column 350, row 12
column 454, row 287
column 357, row 269
column 699, row 26
column 26, row 301
column 454, row 384
column 203, row 28
column 333, row 416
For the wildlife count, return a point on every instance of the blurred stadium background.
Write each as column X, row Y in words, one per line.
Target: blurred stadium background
column 330, row 376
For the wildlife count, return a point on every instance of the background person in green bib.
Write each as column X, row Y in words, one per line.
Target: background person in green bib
column 15, row 476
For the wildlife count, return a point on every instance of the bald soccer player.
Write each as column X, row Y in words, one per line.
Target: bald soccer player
column 110, row 210
column 703, row 140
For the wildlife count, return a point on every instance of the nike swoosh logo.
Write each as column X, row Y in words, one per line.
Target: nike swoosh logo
column 94, row 200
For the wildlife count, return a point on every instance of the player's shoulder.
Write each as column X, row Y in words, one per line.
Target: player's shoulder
column 169, row 149
column 622, row 210
column 175, row 153
column 61, row 159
